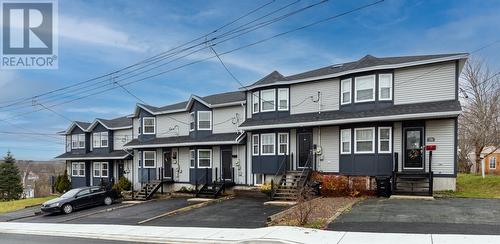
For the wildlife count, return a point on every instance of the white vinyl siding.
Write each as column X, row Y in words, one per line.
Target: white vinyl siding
column 149, row 159
column 78, row 169
column 364, row 90
column 204, row 120
column 267, row 144
column 227, row 119
column 302, row 96
column 329, row 159
column 384, row 139
column 346, row 88
column 204, row 158
column 121, row 137
column 283, row 99
column 364, row 140
column 426, row 83
column 68, row 143
column 397, row 143
column 255, row 102
column 149, row 125
column 385, row 87
column 172, row 125
column 268, row 100
column 255, row 145
column 283, row 143
column 443, row 157
column 345, row 141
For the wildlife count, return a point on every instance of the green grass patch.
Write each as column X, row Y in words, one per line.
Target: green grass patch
column 475, row 186
column 10, row 206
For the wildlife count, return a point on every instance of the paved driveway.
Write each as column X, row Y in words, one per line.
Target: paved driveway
column 440, row 216
column 240, row 212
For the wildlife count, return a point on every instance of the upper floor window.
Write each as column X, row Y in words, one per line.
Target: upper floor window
column 78, row 169
column 255, row 144
column 345, row 87
column 204, row 158
column 101, row 169
column 267, row 100
column 191, row 121
column 100, row 139
column 192, row 158
column 384, row 139
column 255, row 102
column 149, row 159
column 493, row 162
column 283, row 99
column 364, row 140
column 282, row 143
column 267, row 144
column 385, row 87
column 204, row 120
column 149, row 125
column 364, row 88
column 345, row 141
column 77, row 141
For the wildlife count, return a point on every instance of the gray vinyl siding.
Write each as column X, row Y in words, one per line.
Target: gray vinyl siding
column 293, row 146
column 183, row 164
column 222, row 122
column 169, row 121
column 444, row 133
column 120, row 137
column 299, row 93
column 249, row 105
column 136, row 123
column 238, row 163
column 397, row 135
column 329, row 159
column 427, row 83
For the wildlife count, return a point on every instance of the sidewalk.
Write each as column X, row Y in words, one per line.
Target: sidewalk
column 19, row 214
column 278, row 234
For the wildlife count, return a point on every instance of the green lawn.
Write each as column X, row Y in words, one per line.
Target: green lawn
column 474, row 186
column 10, row 206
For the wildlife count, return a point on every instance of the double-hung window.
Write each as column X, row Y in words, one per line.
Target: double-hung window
column 267, row 144
column 283, row 99
column 78, row 169
column 345, row 96
column 282, row 143
column 267, row 100
column 385, row 87
column 493, row 162
column 204, row 120
column 384, row 139
column 192, row 120
column 255, row 144
column 192, row 158
column 345, row 141
column 149, row 159
column 100, row 139
column 364, row 140
column 149, row 125
column 78, row 141
column 81, row 140
column 204, row 158
column 364, row 88
column 101, row 169
column 255, row 102
column 104, row 139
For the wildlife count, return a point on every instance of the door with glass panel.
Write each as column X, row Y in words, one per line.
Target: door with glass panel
column 413, row 153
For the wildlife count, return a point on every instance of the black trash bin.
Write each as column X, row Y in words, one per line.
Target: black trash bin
column 383, row 186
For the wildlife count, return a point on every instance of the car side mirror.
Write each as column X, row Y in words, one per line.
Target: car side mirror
column 76, row 196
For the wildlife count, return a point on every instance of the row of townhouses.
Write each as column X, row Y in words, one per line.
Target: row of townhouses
column 370, row 117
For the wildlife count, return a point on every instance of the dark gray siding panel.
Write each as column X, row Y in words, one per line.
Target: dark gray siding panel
column 142, row 137
column 269, row 164
column 200, row 176
column 366, row 164
column 147, row 174
column 78, row 182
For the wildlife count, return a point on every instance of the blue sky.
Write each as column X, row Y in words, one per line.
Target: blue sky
column 96, row 37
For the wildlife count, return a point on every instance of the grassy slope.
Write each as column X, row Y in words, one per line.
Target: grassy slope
column 10, row 206
column 471, row 185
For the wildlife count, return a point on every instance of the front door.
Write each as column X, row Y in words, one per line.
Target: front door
column 167, row 164
column 227, row 158
column 121, row 169
column 305, row 146
column 413, row 154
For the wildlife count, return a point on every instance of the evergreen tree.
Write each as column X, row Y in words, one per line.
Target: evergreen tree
column 62, row 183
column 11, row 187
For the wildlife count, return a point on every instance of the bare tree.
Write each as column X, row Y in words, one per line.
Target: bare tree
column 479, row 124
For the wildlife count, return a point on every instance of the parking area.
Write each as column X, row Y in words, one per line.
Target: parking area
column 440, row 216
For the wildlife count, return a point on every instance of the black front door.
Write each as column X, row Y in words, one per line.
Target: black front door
column 167, row 164
column 121, row 169
column 227, row 156
column 305, row 146
column 413, row 159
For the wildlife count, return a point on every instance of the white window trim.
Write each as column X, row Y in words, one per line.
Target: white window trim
column 253, row 144
column 380, row 88
column 390, row 139
column 262, row 144
column 77, row 142
column 198, row 159
column 255, row 179
column 342, row 91
column 154, row 126
column 255, row 96
column 98, row 166
column 287, row 99
column 262, row 101
column 94, row 140
column 198, row 119
column 78, row 170
column 356, row 144
column 356, row 89
column 342, row 142
column 279, row 143
column 144, row 161
column 191, row 152
column 495, row 163
column 192, row 121
column 100, row 169
column 106, row 137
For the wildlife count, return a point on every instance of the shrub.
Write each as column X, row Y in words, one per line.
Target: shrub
column 123, row 184
column 335, row 186
column 265, row 188
column 62, row 183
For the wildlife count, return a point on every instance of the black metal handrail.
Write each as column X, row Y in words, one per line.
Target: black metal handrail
column 308, row 161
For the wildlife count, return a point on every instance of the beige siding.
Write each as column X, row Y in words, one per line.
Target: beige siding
column 135, row 127
column 249, row 105
column 120, row 137
column 443, row 132
column 222, row 122
column 300, row 101
column 397, row 143
column 329, row 142
column 166, row 125
column 425, row 83
column 293, row 146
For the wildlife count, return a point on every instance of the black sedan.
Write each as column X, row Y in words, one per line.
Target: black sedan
column 80, row 198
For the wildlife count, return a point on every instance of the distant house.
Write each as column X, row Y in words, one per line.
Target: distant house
column 491, row 160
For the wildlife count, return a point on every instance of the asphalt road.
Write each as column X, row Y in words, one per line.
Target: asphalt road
column 33, row 239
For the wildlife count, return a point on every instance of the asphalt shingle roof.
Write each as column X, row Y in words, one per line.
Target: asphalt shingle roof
column 83, row 125
column 117, row 122
column 95, row 154
column 185, row 139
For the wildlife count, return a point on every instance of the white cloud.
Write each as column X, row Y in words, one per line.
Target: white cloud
column 98, row 110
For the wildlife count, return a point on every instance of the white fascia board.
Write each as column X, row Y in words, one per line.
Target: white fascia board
column 185, row 144
column 357, row 120
column 73, row 126
column 372, row 68
column 141, row 106
column 93, row 158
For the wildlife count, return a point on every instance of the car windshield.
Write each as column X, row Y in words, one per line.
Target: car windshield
column 70, row 193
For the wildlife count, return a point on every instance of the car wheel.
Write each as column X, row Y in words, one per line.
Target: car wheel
column 108, row 200
column 67, row 208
